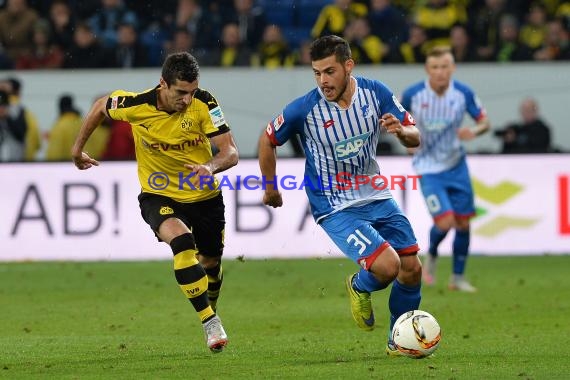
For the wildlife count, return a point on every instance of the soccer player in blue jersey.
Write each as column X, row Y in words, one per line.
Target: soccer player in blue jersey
column 339, row 125
column 439, row 105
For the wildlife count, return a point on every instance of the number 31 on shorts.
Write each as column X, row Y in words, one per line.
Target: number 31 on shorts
column 359, row 241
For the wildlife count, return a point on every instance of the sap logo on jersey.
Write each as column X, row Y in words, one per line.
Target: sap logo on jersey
column 350, row 147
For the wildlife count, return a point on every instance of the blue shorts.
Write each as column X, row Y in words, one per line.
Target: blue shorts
column 363, row 232
column 449, row 192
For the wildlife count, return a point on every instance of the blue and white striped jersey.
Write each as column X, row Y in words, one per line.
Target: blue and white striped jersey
column 438, row 118
column 340, row 144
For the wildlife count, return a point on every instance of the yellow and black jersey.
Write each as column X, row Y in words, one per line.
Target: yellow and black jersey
column 164, row 141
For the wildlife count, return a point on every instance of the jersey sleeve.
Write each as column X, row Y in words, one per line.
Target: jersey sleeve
column 474, row 107
column 118, row 104
column 406, row 99
column 215, row 121
column 390, row 104
column 286, row 124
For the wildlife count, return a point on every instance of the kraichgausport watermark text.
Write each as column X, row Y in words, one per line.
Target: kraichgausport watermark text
column 340, row 181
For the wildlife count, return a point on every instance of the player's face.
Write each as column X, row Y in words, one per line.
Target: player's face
column 440, row 70
column 332, row 77
column 178, row 95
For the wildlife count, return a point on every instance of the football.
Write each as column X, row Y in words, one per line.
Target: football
column 416, row 334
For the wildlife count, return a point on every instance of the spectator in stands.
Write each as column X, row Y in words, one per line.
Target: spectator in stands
column 388, row 23
column 334, row 18
column 366, row 48
column 273, row 51
column 533, row 31
column 484, row 25
column 231, row 51
column 105, row 22
column 556, row 46
column 461, row 45
column 64, row 131
column 66, row 128
column 120, row 145
column 302, row 56
column 129, row 52
column 530, row 135
column 508, row 48
column 86, row 51
column 437, row 17
column 414, row 49
column 44, row 54
column 563, row 13
column 62, row 24
column 205, row 27
column 32, row 141
column 182, row 40
column 12, row 132
column 251, row 22
column 17, row 22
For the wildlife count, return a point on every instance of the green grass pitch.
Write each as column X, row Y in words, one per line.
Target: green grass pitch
column 285, row 319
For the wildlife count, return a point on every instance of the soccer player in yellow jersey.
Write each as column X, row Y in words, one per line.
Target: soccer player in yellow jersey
column 174, row 126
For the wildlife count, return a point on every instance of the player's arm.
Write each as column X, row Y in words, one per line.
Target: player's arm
column 408, row 134
column 94, row 118
column 478, row 113
column 268, row 165
column 469, row 133
column 226, row 157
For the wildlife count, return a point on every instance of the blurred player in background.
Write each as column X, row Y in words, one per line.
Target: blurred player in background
column 439, row 105
column 175, row 125
column 339, row 125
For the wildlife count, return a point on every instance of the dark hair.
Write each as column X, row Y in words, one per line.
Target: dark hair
column 15, row 84
column 326, row 46
column 180, row 66
column 66, row 104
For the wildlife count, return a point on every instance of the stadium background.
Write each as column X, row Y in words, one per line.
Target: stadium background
column 35, row 194
column 286, row 318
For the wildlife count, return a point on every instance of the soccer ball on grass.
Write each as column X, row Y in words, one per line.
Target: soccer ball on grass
column 416, row 334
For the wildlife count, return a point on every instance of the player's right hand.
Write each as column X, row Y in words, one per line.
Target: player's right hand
column 272, row 198
column 84, row 161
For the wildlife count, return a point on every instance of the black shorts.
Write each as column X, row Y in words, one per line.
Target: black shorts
column 205, row 219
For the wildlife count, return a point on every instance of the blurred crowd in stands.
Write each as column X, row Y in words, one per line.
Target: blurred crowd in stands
column 37, row 34
column 76, row 34
column 21, row 138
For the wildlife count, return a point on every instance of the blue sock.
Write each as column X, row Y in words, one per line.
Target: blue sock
column 460, row 250
column 403, row 298
column 365, row 281
column 436, row 236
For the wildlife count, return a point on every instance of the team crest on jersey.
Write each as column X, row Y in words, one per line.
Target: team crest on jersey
column 278, row 122
column 365, row 109
column 186, row 124
column 349, row 148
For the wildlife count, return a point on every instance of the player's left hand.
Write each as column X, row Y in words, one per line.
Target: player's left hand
column 392, row 124
column 466, row 134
